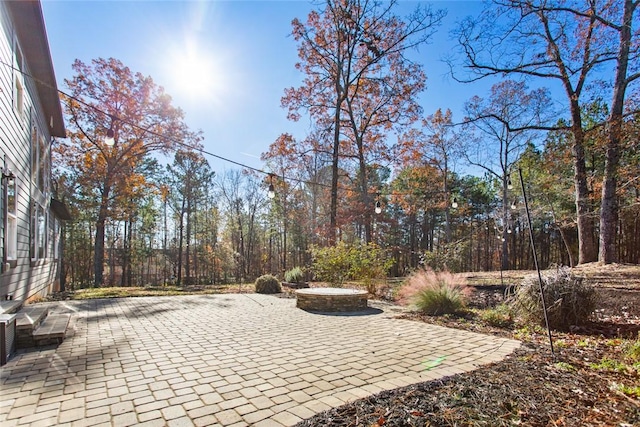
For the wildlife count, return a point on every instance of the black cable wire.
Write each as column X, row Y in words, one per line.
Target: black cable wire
column 190, row 147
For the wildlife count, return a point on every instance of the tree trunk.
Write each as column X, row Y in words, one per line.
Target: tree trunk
column 124, row 259
column 98, row 252
column 187, row 260
column 504, row 261
column 284, row 233
column 586, row 238
column 364, row 191
column 180, row 246
column 165, row 272
column 333, row 215
column 609, row 201
column 63, row 264
column 445, row 189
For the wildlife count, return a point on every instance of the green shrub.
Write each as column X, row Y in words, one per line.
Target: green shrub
column 568, row 300
column 499, row 317
column 434, row 293
column 331, row 264
column 335, row 264
column 268, row 284
column 295, row 275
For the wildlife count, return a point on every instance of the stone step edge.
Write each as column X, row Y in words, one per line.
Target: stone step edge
column 52, row 331
column 10, row 306
column 30, row 317
column 54, row 326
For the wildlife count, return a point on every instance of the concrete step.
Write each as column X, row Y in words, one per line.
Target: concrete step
column 10, row 306
column 27, row 321
column 52, row 330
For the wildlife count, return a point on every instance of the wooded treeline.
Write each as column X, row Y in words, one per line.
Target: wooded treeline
column 376, row 168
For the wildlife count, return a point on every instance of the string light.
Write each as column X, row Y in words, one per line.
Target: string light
column 378, row 207
column 109, row 140
column 9, row 176
column 509, row 183
column 110, row 134
column 514, row 204
column 454, row 204
column 271, row 193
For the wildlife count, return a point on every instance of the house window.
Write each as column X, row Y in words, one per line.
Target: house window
column 40, row 160
column 54, row 237
column 34, row 153
column 11, row 237
column 18, row 81
column 38, row 232
column 43, row 163
column 18, row 97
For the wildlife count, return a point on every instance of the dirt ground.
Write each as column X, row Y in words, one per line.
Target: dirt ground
column 581, row 384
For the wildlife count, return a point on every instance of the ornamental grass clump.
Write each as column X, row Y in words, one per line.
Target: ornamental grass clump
column 569, row 301
column 295, row 275
column 434, row 293
column 268, row 284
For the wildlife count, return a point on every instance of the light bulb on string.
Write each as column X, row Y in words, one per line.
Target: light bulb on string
column 271, row 192
column 454, row 204
column 378, row 209
column 109, row 140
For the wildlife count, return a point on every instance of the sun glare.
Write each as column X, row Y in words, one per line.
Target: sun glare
column 198, row 76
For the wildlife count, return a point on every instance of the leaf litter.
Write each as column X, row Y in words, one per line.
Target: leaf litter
column 530, row 387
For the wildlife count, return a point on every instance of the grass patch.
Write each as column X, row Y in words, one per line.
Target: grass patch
column 153, row 291
column 499, row 317
column 609, row 365
column 564, row 366
column 631, row 391
column 632, row 350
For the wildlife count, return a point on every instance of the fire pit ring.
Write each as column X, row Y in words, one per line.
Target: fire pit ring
column 331, row 299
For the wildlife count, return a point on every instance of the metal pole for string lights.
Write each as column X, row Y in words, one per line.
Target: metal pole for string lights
column 535, row 260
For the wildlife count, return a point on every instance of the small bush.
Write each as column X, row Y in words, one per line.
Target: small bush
column 569, row 301
column 295, row 275
column 434, row 293
column 499, row 317
column 268, row 284
column 632, row 350
column 335, row 264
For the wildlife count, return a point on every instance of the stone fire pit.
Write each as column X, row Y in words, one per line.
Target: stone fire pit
column 331, row 299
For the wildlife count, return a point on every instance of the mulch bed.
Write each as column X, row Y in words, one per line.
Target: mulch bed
column 531, row 387
column 528, row 388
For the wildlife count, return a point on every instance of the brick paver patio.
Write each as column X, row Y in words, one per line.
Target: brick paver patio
column 228, row 360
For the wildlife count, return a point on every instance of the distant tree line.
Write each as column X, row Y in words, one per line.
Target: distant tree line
column 375, row 169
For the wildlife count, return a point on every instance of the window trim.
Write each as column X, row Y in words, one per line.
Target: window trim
column 19, row 88
column 39, row 217
column 11, row 224
column 18, row 98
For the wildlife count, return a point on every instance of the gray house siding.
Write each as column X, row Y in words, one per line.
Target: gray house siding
column 30, row 116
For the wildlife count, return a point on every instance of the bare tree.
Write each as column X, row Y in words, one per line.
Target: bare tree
column 567, row 41
column 501, row 121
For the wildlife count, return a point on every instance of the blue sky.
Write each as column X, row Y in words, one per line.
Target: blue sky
column 244, row 51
